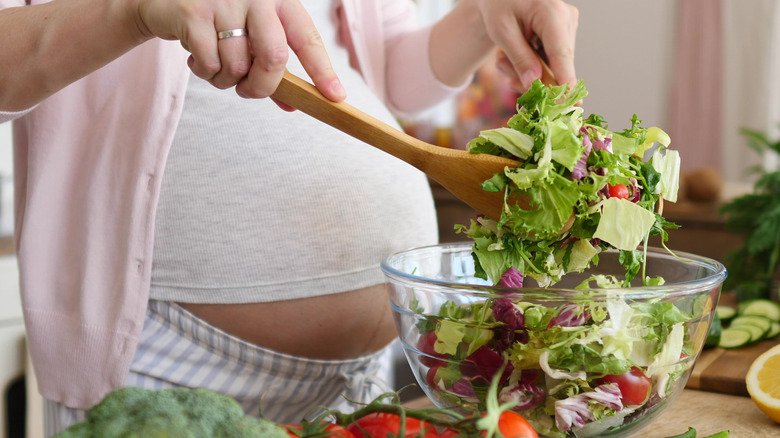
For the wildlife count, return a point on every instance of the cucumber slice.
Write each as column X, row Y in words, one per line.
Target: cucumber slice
column 759, row 321
column 734, row 338
column 725, row 313
column 773, row 331
column 713, row 336
column 761, row 307
column 756, row 332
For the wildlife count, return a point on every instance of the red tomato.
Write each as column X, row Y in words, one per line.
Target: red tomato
column 510, row 424
column 513, row 425
column 634, row 386
column 329, row 430
column 385, row 424
column 618, row 191
column 430, row 376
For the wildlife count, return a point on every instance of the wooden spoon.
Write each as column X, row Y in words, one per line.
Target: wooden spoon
column 458, row 171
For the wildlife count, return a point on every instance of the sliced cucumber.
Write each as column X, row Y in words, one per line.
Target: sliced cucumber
column 734, row 338
column 757, row 332
column 725, row 313
column 760, row 307
column 760, row 321
column 773, row 331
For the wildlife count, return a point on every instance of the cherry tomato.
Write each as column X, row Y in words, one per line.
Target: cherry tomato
column 510, row 424
column 384, row 424
column 618, row 191
column 513, row 425
column 425, row 345
column 324, row 430
column 634, row 386
column 430, row 376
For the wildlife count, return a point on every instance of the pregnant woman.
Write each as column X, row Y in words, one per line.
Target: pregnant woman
column 172, row 233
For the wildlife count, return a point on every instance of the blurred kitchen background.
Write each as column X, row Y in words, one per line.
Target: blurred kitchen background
column 699, row 69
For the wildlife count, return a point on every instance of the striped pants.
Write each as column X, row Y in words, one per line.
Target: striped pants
column 177, row 349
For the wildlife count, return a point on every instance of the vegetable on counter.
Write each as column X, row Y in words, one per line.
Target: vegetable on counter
column 691, row 433
column 201, row 413
column 752, row 321
column 131, row 411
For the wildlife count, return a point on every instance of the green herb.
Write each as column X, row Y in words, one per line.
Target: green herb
column 691, row 433
column 756, row 215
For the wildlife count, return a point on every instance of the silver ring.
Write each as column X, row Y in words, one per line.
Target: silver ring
column 231, row 33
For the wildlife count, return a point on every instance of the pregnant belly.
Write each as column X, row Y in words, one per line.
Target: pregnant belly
column 338, row 326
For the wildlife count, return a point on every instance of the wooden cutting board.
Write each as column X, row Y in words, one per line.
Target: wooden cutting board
column 724, row 371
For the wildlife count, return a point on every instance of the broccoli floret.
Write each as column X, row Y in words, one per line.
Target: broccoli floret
column 180, row 413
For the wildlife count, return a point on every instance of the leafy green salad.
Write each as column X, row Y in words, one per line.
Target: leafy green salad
column 573, row 168
column 578, row 366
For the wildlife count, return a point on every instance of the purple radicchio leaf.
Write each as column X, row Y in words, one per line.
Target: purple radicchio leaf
column 506, row 312
column 481, row 365
column 526, row 394
column 608, row 395
column 574, row 411
column 513, row 324
column 581, row 168
column 602, row 144
column 570, row 315
column 512, row 278
column 463, row 389
column 636, row 191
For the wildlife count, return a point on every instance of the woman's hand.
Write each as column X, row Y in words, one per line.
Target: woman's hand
column 515, row 25
column 461, row 41
column 253, row 63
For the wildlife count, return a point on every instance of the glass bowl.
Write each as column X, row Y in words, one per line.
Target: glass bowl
column 584, row 362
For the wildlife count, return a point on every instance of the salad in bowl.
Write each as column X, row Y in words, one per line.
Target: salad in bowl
column 587, row 330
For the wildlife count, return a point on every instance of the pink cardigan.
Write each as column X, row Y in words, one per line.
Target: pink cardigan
column 88, row 166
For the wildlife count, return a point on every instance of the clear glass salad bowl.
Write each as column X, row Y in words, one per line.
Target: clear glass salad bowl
column 577, row 359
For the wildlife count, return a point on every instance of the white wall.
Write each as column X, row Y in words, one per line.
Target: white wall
column 625, row 53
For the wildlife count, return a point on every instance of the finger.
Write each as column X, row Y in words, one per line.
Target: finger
column 304, row 39
column 558, row 38
column 505, row 67
column 269, row 46
column 519, row 54
column 283, row 105
column 202, row 45
column 233, row 53
column 560, row 56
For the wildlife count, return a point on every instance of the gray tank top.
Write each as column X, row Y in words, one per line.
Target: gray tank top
column 260, row 205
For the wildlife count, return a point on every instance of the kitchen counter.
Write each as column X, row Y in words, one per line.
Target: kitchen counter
column 707, row 412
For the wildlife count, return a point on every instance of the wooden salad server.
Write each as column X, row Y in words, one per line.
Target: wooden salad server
column 458, row 171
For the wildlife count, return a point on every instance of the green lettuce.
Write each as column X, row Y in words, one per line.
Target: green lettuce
column 558, row 213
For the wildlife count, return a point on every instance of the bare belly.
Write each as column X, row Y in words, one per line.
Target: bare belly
column 339, row 326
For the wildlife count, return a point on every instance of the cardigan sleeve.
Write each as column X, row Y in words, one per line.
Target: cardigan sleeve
column 411, row 83
column 391, row 50
column 6, row 116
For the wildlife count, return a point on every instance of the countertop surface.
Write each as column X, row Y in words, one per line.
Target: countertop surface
column 707, row 412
